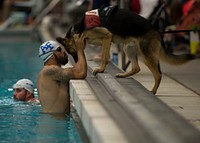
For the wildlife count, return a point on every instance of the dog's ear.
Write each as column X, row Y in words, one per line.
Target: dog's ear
column 65, row 42
column 75, row 29
column 70, row 32
column 62, row 41
column 69, row 46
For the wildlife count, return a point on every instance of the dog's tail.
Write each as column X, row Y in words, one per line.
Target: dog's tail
column 170, row 58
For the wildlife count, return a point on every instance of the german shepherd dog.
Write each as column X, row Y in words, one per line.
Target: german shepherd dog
column 123, row 26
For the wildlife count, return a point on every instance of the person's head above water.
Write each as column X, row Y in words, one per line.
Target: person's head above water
column 23, row 90
column 48, row 49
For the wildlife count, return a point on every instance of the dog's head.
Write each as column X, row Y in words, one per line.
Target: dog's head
column 69, row 43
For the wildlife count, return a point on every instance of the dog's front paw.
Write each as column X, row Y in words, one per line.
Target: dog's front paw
column 97, row 70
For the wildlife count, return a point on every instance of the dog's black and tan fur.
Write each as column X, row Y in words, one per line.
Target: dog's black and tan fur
column 126, row 27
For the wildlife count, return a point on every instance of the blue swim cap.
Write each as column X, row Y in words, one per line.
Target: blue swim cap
column 47, row 48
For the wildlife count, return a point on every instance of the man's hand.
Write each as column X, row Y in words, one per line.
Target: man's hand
column 80, row 42
column 80, row 68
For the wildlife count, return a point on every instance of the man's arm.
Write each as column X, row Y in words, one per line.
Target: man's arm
column 79, row 70
column 58, row 74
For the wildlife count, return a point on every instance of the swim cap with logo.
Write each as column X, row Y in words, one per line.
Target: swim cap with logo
column 24, row 83
column 47, row 48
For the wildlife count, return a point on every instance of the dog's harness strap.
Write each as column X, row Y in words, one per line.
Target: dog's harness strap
column 105, row 13
column 98, row 17
column 92, row 19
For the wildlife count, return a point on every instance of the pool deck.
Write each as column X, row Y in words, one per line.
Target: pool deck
column 178, row 95
column 179, row 89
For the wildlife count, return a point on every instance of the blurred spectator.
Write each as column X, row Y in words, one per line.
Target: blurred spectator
column 19, row 11
column 184, row 17
column 191, row 17
column 191, row 21
column 187, row 6
column 4, row 9
column 144, row 7
column 175, row 11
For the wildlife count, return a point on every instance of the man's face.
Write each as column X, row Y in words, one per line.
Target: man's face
column 61, row 56
column 69, row 45
column 19, row 94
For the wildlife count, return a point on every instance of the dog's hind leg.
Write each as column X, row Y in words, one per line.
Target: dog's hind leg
column 153, row 64
column 150, row 52
column 131, row 53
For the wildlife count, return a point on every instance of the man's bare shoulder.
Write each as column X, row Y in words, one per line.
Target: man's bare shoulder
column 51, row 70
column 57, row 73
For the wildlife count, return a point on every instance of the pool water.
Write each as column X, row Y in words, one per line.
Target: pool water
column 20, row 121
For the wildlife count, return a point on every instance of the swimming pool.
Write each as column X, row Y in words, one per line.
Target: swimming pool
column 19, row 121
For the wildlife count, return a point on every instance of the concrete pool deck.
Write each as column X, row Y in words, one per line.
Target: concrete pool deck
column 100, row 126
column 179, row 88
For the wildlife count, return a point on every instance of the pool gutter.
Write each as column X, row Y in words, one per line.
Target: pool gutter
column 13, row 34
